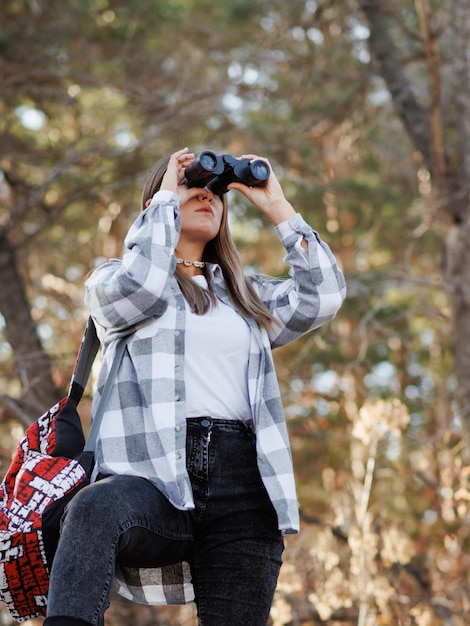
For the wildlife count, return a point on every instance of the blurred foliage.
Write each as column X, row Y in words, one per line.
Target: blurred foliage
column 93, row 91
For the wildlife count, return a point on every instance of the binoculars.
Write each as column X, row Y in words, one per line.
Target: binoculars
column 217, row 171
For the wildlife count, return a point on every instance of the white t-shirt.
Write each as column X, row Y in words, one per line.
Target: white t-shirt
column 217, row 347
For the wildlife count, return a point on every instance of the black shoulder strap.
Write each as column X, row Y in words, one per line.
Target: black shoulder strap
column 86, row 355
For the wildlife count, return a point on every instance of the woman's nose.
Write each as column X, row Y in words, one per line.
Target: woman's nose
column 206, row 194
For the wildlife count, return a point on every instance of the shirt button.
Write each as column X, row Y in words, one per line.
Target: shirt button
column 177, row 398
column 177, row 333
column 179, row 456
column 178, row 429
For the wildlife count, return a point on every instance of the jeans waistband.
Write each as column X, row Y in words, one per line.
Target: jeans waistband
column 211, row 423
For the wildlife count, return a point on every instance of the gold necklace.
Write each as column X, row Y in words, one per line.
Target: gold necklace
column 188, row 263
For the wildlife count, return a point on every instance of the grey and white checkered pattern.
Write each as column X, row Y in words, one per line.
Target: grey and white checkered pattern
column 144, row 427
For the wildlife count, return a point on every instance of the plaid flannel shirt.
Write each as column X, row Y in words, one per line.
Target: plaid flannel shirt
column 143, row 431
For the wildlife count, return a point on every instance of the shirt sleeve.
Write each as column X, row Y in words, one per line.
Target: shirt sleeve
column 314, row 291
column 123, row 292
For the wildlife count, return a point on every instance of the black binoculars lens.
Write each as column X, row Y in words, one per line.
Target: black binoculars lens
column 260, row 170
column 208, row 161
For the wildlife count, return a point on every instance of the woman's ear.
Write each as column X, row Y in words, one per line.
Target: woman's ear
column 148, row 202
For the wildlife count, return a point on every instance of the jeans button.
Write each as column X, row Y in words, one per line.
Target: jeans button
column 206, row 423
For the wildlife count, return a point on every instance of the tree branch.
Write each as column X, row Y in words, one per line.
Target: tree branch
column 385, row 54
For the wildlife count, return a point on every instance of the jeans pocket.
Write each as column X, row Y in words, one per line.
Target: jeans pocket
column 197, row 455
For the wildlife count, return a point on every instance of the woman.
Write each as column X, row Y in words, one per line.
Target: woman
column 196, row 487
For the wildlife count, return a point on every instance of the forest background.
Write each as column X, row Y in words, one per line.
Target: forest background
column 362, row 107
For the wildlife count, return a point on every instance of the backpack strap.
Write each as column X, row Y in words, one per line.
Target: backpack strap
column 87, row 352
column 86, row 355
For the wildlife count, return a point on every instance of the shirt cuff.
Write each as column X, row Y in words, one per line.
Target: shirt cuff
column 166, row 196
column 295, row 224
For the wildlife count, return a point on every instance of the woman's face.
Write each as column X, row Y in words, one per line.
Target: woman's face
column 201, row 217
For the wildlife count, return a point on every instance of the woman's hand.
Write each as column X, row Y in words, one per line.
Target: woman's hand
column 270, row 198
column 174, row 177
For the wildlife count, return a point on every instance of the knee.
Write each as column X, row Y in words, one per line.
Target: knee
column 92, row 505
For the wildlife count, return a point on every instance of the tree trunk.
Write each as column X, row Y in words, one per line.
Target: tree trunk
column 458, row 241
column 39, row 391
column 450, row 181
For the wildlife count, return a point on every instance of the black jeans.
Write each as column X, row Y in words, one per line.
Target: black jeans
column 230, row 540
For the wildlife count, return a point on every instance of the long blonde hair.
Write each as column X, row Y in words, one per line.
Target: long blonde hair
column 219, row 250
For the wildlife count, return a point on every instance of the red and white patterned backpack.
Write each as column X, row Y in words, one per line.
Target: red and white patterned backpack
column 50, row 465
